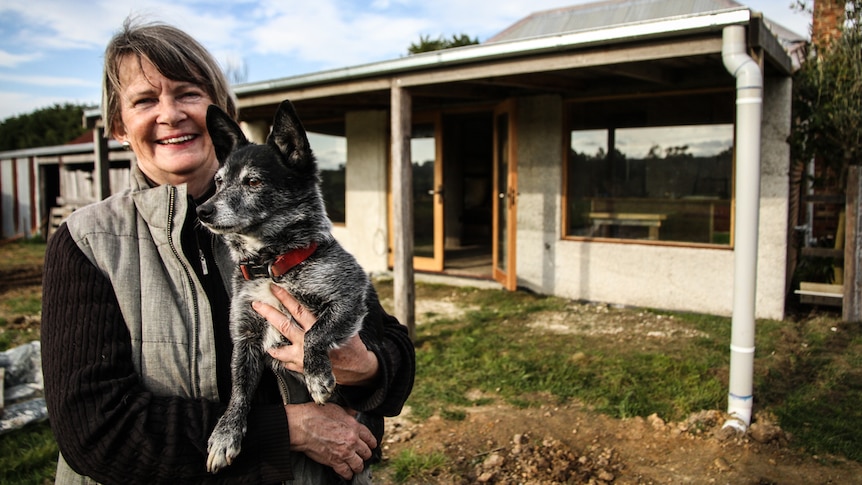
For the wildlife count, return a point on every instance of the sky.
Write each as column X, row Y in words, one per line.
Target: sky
column 51, row 50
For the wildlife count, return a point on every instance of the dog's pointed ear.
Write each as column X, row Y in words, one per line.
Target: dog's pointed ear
column 225, row 133
column 288, row 135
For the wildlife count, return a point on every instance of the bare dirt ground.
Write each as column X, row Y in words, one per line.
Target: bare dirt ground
column 570, row 444
column 20, row 276
column 500, row 444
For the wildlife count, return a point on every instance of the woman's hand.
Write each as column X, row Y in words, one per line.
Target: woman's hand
column 330, row 435
column 352, row 363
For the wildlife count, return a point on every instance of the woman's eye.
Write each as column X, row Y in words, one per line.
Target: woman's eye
column 192, row 95
column 143, row 102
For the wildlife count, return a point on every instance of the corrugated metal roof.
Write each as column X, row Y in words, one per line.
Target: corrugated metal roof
column 487, row 51
column 606, row 14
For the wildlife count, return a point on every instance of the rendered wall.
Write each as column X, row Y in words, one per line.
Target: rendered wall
column 774, row 199
column 666, row 277
column 365, row 232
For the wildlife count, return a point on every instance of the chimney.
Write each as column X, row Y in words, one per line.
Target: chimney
column 826, row 22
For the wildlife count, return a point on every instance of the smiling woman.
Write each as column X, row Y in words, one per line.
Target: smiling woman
column 136, row 303
column 164, row 123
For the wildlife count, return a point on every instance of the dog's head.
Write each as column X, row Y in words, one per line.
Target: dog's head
column 267, row 196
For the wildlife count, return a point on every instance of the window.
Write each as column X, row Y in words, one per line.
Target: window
column 658, row 169
column 331, row 153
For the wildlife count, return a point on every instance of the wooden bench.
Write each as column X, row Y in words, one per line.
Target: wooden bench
column 820, row 293
column 649, row 220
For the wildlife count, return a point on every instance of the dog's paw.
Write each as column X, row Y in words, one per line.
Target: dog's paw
column 223, row 447
column 320, row 387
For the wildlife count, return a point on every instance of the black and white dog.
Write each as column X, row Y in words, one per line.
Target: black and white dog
column 269, row 209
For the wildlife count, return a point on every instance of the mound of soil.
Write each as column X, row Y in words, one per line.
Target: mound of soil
column 499, row 444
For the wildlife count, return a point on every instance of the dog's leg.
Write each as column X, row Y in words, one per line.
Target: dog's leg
column 330, row 330
column 317, row 367
column 247, row 365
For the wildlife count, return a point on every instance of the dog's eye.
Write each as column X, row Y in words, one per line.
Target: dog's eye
column 253, row 182
column 218, row 180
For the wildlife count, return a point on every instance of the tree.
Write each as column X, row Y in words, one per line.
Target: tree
column 236, row 70
column 426, row 44
column 56, row 125
column 827, row 95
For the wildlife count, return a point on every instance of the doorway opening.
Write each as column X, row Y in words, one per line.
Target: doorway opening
column 468, row 185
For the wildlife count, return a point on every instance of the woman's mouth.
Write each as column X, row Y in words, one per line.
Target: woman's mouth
column 176, row 140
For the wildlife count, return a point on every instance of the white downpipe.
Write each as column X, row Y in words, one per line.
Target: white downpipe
column 749, row 101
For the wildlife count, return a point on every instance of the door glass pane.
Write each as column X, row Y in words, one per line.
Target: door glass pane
column 423, row 154
column 502, row 188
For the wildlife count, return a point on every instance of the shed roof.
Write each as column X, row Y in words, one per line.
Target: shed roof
column 611, row 13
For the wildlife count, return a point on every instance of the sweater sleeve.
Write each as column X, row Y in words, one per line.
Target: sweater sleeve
column 107, row 425
column 397, row 358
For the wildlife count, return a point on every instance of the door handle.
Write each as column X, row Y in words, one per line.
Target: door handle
column 512, row 196
column 435, row 192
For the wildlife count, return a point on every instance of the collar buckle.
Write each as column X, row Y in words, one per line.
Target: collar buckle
column 251, row 270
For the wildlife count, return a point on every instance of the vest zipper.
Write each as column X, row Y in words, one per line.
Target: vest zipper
column 203, row 258
column 285, row 391
column 195, row 377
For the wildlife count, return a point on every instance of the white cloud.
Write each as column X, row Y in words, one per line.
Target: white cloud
column 15, row 103
column 8, row 59
column 31, row 80
column 337, row 36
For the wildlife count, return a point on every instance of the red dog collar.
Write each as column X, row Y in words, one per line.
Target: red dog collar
column 280, row 266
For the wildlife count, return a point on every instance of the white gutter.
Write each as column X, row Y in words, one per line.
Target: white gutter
column 682, row 25
column 749, row 101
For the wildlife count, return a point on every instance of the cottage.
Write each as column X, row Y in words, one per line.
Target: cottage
column 585, row 152
column 590, row 152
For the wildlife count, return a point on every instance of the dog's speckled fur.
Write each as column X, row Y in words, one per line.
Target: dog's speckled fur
column 268, row 202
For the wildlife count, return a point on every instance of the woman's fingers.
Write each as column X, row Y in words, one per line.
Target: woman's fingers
column 303, row 317
column 330, row 435
column 283, row 323
column 291, row 355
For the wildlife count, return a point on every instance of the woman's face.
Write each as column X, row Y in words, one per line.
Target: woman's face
column 164, row 122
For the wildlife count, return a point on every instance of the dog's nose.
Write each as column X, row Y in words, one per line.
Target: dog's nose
column 205, row 212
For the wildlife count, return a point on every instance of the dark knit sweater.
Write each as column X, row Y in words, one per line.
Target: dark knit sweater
column 110, row 428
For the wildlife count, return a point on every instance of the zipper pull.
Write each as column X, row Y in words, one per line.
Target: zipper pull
column 203, row 262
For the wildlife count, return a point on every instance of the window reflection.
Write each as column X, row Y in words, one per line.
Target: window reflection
column 667, row 183
column 331, row 153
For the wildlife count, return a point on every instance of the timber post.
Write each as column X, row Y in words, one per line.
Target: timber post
column 404, row 291
column 852, row 304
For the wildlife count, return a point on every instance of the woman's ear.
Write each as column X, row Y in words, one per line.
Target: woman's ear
column 118, row 133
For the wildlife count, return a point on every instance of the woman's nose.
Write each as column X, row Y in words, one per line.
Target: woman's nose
column 170, row 112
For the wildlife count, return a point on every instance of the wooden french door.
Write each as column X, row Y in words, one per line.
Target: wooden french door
column 506, row 195
column 427, row 158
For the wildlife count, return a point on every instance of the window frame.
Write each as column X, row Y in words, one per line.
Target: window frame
column 726, row 116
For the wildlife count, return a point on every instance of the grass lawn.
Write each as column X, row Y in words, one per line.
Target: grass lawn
column 808, row 370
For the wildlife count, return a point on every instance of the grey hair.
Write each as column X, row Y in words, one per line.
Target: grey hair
column 176, row 55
